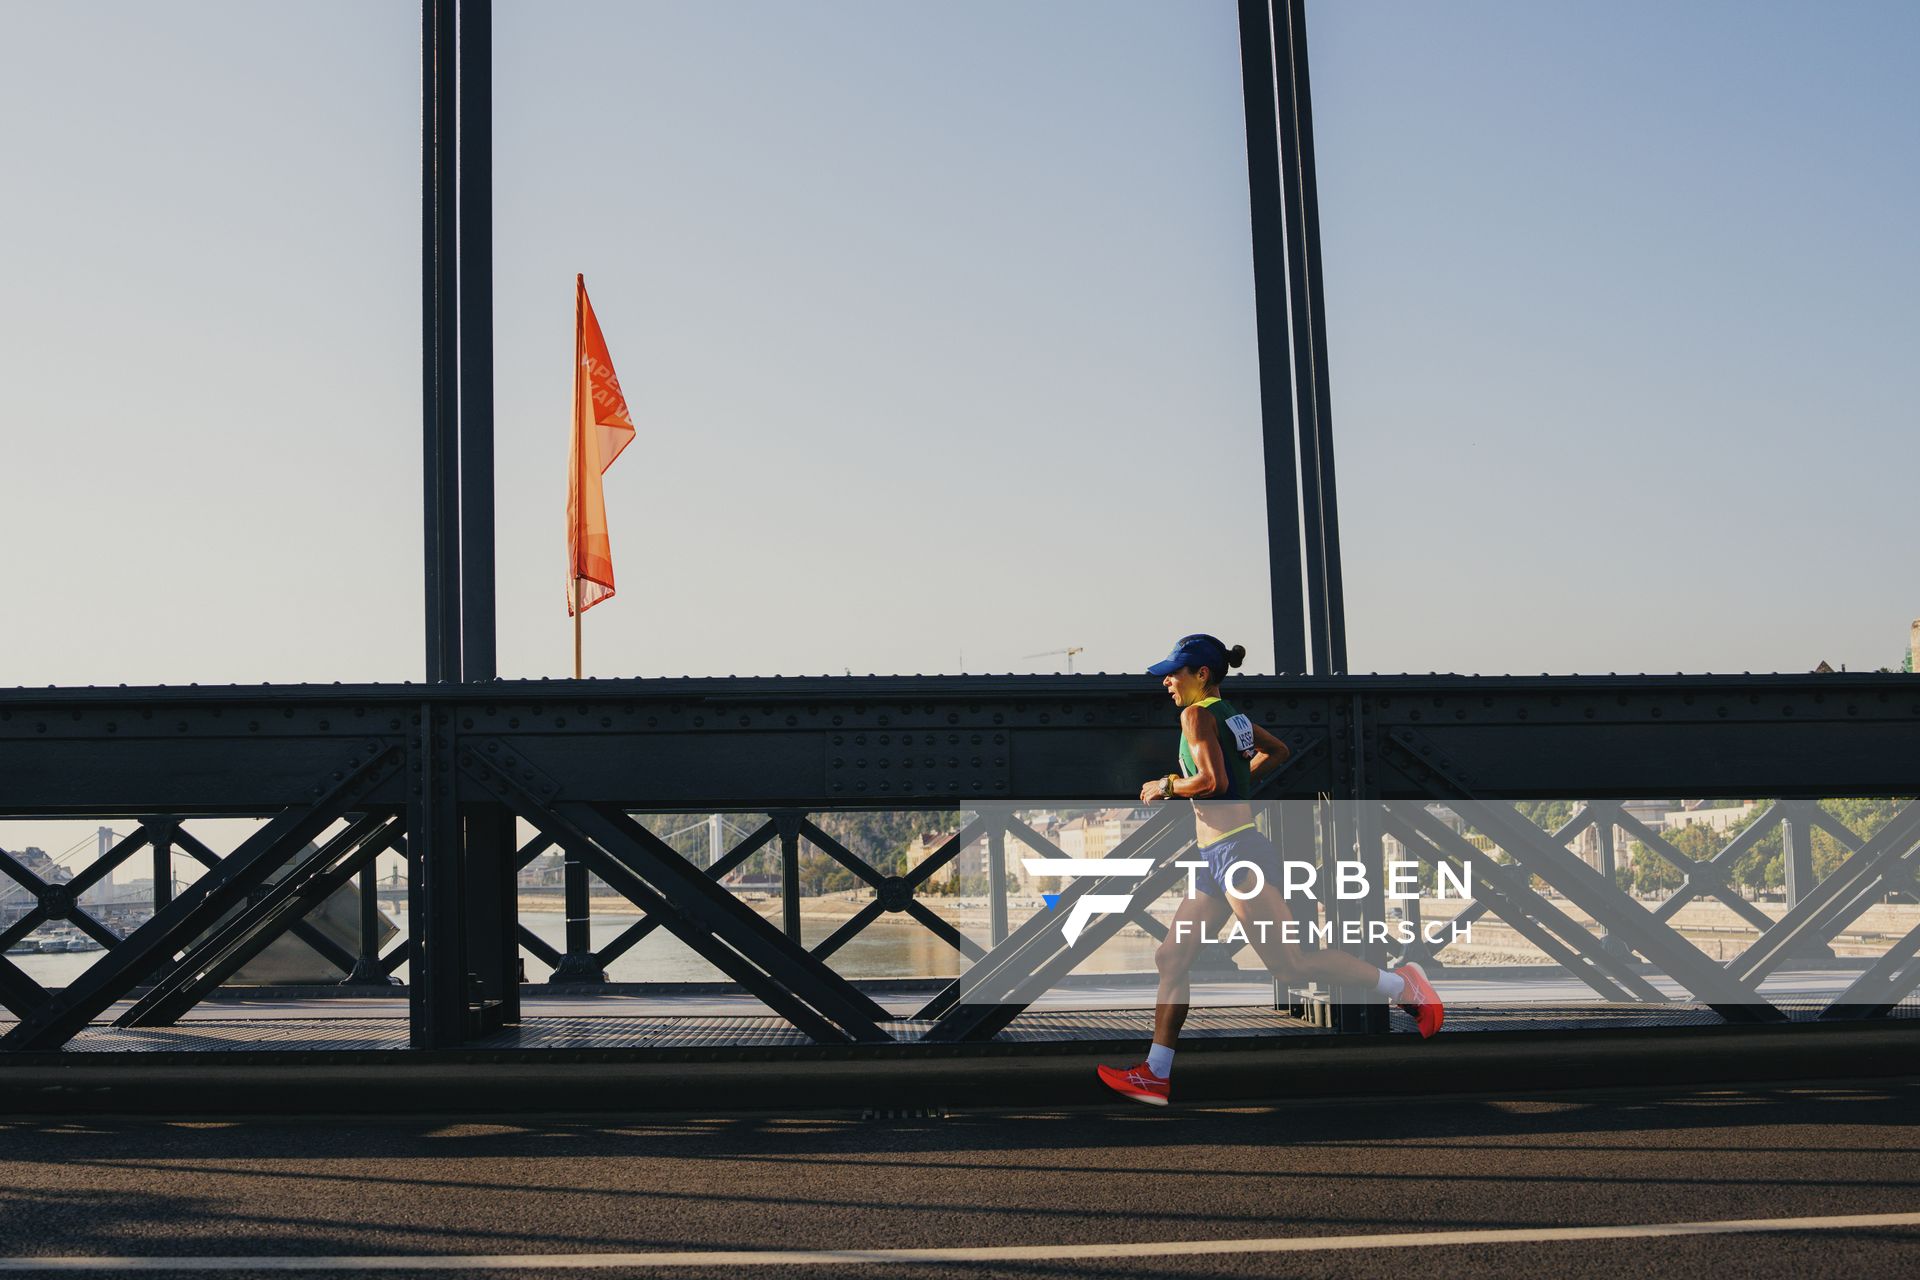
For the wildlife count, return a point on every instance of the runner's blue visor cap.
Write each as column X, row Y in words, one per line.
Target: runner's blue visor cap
column 1193, row 652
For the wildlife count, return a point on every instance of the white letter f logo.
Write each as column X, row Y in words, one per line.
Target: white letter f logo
column 1089, row 905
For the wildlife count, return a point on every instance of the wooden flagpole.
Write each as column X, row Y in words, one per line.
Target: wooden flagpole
column 579, row 349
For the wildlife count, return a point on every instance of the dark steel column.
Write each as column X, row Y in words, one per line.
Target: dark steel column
column 787, row 822
column 493, row 881
column 471, row 863
column 997, row 883
column 1609, row 867
column 477, row 647
column 1359, row 840
column 1284, row 25
column 437, row 987
column 162, row 865
column 1316, row 463
column 366, row 961
column 439, row 325
column 1270, row 320
column 438, row 995
column 490, row 898
column 1305, row 414
column 578, row 966
column 1796, row 852
column 1350, row 832
column 1295, row 829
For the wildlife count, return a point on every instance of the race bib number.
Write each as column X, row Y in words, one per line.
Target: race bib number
column 1242, row 733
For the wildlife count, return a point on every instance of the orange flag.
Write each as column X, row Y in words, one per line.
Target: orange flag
column 602, row 427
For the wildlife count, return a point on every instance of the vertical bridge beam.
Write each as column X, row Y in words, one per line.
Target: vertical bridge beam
column 439, row 331
column 487, row 830
column 1325, row 589
column 478, row 660
column 436, row 967
column 1309, row 611
column 1266, row 204
column 463, row 901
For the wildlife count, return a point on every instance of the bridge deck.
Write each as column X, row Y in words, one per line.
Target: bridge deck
column 326, row 1027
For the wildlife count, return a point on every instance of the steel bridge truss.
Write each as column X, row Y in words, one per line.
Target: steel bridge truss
column 341, row 775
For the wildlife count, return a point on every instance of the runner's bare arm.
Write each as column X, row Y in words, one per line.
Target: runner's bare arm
column 1203, row 742
column 1204, row 745
column 1271, row 753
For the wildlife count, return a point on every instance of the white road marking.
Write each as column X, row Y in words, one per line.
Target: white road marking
column 997, row 1253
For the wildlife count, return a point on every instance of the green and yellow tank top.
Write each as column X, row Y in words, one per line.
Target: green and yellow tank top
column 1235, row 732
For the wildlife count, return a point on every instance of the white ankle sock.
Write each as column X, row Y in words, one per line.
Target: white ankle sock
column 1390, row 985
column 1160, row 1061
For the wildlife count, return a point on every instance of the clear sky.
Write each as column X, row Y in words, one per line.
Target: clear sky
column 937, row 322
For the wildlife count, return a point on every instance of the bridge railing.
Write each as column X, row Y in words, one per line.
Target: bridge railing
column 338, row 779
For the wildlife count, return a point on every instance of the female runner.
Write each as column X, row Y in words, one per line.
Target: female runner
column 1222, row 752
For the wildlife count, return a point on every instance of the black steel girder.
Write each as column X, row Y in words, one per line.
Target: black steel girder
column 885, row 742
column 898, row 742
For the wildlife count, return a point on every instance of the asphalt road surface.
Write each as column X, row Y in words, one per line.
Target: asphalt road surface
column 1052, row 1193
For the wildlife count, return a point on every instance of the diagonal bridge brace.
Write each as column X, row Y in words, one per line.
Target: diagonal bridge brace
column 637, row 932
column 980, row 1004
column 1882, row 985
column 221, row 954
column 1013, row 961
column 712, row 922
column 61, row 900
column 200, row 907
column 19, row 994
column 996, row 990
column 1888, row 861
column 1507, row 896
column 896, row 892
column 893, row 893
column 1710, row 875
column 328, row 949
column 1726, row 993
column 36, row 915
column 742, row 929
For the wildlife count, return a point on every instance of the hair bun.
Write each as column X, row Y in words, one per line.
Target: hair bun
column 1236, row 655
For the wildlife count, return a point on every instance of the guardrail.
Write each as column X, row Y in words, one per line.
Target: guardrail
column 339, row 775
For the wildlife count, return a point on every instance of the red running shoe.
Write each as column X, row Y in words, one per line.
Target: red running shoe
column 1420, row 999
column 1137, row 1083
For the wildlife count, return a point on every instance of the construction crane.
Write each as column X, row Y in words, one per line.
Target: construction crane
column 1054, row 653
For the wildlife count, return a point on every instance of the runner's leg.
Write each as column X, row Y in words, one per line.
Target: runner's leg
column 1148, row 1082
column 1406, row 986
column 1174, row 959
column 1289, row 960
